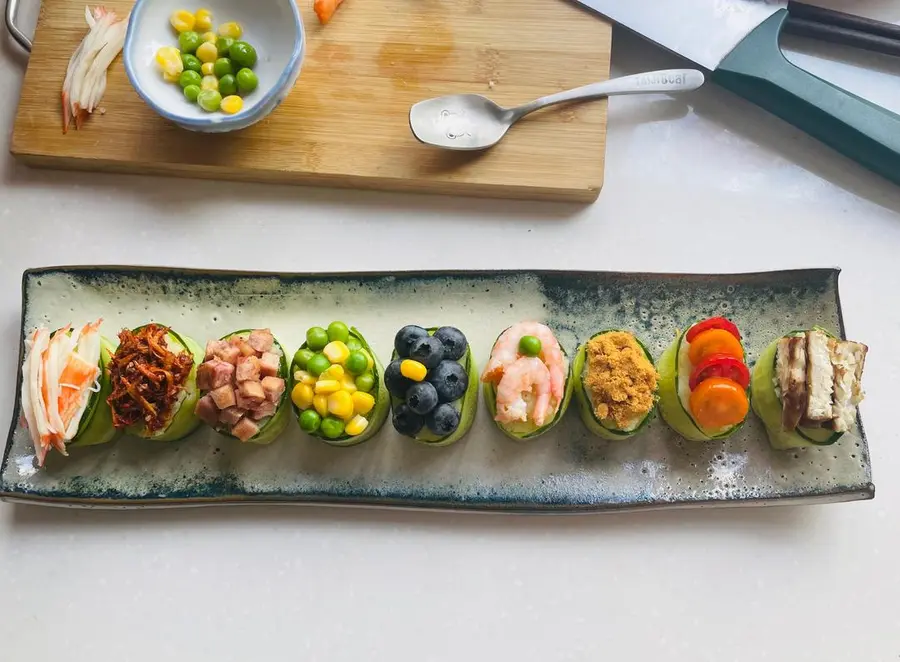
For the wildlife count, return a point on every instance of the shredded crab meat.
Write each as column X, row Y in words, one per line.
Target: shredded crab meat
column 85, row 81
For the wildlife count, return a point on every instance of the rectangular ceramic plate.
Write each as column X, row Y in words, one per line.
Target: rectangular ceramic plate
column 567, row 470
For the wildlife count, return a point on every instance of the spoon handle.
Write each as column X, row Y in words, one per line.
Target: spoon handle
column 669, row 80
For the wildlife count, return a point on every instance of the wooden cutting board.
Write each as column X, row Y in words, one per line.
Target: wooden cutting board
column 345, row 124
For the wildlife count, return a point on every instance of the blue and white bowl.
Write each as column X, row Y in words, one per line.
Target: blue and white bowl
column 273, row 27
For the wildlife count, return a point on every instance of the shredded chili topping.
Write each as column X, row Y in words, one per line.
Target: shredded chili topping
column 146, row 378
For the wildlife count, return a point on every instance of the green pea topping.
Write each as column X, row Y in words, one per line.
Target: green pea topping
column 356, row 363
column 318, row 364
column 191, row 92
column 353, row 344
column 191, row 62
column 222, row 67
column 209, row 100
column 243, row 54
column 247, row 80
column 365, row 382
column 302, row 357
column 338, row 331
column 227, row 86
column 310, row 420
column 316, row 338
column 529, row 346
column 189, row 41
column 223, row 45
column 332, row 427
column 189, row 77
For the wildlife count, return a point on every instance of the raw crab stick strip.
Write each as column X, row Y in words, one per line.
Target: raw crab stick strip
column 527, row 380
column 704, row 379
column 65, row 383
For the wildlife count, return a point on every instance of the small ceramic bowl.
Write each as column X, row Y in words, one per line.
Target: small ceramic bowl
column 273, row 27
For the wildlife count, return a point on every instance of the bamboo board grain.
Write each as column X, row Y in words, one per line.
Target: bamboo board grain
column 346, row 122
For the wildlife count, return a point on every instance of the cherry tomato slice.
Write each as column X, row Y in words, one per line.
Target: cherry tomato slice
column 712, row 323
column 718, row 402
column 715, row 341
column 721, row 365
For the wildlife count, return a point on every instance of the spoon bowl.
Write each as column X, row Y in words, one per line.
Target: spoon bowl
column 472, row 121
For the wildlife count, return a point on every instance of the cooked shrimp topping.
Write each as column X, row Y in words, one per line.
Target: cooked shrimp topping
column 620, row 379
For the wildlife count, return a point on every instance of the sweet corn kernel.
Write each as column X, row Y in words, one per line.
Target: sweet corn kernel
column 209, row 83
column 182, row 20
column 304, row 377
column 340, row 404
column 320, row 402
column 413, row 370
column 362, row 403
column 356, row 426
column 171, row 78
column 169, row 60
column 209, row 37
column 348, row 383
column 302, row 396
column 327, row 386
column 336, row 351
column 207, row 68
column 335, row 372
column 231, row 29
column 203, row 20
column 207, row 52
column 232, row 104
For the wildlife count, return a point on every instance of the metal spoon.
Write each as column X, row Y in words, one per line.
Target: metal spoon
column 471, row 121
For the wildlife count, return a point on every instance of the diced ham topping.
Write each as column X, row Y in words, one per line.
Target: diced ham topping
column 240, row 383
column 245, row 429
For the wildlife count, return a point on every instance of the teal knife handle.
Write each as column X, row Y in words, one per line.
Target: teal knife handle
column 758, row 71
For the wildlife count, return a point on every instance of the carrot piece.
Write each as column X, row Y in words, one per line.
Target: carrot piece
column 718, row 402
column 325, row 9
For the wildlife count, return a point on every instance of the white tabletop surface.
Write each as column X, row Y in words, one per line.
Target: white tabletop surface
column 698, row 183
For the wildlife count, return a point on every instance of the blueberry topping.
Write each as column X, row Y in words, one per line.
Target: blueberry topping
column 405, row 338
column 454, row 342
column 450, row 380
column 406, row 421
column 422, row 398
column 428, row 351
column 443, row 420
column 396, row 383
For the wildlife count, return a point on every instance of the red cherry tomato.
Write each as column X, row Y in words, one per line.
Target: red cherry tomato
column 720, row 365
column 712, row 323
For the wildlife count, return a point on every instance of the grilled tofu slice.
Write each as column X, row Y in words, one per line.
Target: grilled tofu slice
column 790, row 367
column 848, row 359
column 819, row 378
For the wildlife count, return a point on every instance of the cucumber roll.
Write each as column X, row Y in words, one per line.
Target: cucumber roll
column 242, row 383
column 527, row 381
column 615, row 384
column 433, row 384
column 806, row 387
column 704, row 381
column 336, row 386
column 65, row 383
column 154, row 382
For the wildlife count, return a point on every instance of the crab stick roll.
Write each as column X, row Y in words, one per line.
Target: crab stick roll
column 615, row 384
column 806, row 387
column 337, row 387
column 527, row 380
column 65, row 383
column 704, row 381
column 242, row 382
column 433, row 384
column 154, row 383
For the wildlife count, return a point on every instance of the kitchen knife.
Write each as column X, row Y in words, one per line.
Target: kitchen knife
column 737, row 41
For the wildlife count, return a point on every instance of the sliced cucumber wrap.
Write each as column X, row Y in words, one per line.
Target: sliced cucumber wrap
column 376, row 417
column 767, row 406
column 595, row 425
column 673, row 382
column 466, row 406
column 277, row 422
column 527, row 430
column 183, row 420
column 96, row 426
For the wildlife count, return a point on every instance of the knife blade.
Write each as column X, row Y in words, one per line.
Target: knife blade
column 737, row 41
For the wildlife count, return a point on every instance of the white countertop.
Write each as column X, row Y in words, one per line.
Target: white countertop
column 700, row 183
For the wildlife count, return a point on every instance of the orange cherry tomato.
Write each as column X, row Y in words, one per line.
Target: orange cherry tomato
column 717, row 402
column 715, row 341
